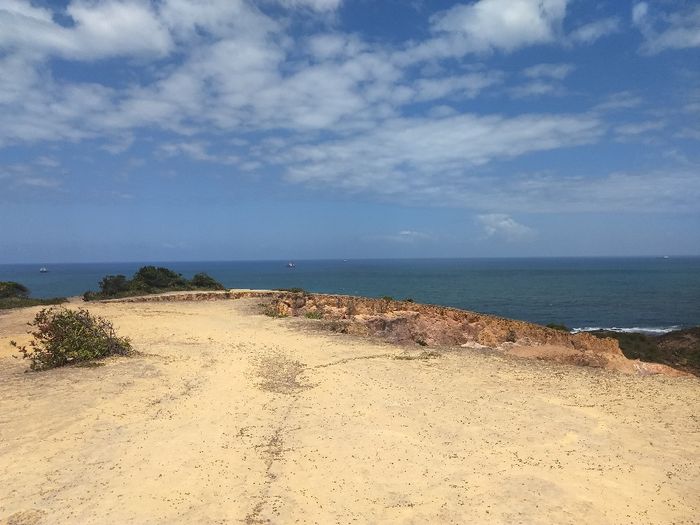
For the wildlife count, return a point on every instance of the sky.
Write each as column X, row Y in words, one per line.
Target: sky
column 296, row 129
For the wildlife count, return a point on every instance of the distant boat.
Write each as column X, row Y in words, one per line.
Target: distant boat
column 291, row 265
column 43, row 270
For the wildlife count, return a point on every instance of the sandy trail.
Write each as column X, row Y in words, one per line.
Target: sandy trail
column 229, row 416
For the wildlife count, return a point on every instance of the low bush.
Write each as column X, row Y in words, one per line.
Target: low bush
column 314, row 315
column 114, row 284
column 387, row 298
column 11, row 289
column 150, row 280
column 16, row 295
column 292, row 290
column 62, row 337
column 158, row 278
column 560, row 327
column 206, row 282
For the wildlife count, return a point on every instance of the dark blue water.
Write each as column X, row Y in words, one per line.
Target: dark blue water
column 578, row 292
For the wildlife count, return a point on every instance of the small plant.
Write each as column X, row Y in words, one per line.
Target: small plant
column 270, row 311
column 421, row 342
column 387, row 298
column 409, row 300
column 62, row 337
column 560, row 327
column 511, row 336
column 314, row 315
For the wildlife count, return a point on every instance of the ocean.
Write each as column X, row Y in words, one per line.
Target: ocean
column 636, row 294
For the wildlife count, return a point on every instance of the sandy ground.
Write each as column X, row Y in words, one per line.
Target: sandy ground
column 229, row 416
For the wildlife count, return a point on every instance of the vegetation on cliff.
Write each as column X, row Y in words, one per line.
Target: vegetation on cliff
column 16, row 295
column 62, row 337
column 149, row 280
column 679, row 349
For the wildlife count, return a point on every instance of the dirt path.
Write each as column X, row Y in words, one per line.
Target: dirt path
column 233, row 417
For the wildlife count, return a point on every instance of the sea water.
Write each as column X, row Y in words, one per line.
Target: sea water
column 651, row 294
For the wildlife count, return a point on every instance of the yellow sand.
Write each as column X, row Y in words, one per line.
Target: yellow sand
column 233, row 417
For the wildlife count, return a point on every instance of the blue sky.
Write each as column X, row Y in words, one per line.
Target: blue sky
column 291, row 129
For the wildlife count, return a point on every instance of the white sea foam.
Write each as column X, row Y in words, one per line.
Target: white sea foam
column 651, row 330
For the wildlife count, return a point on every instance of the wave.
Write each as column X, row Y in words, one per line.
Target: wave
column 649, row 330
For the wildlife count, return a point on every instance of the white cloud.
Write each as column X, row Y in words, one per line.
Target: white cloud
column 468, row 86
column 488, row 25
column 553, row 71
column 589, row 33
column 503, row 24
column 39, row 182
column 500, row 225
column 662, row 31
column 535, row 89
column 404, row 237
column 108, row 28
column 316, row 5
column 639, row 128
column 545, row 79
column 331, row 107
column 619, row 101
column 421, row 158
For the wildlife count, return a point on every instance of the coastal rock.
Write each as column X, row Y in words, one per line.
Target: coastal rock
column 428, row 325
column 406, row 322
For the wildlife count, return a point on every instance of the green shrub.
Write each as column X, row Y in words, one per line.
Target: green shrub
column 114, row 284
column 148, row 280
column 11, row 289
column 409, row 300
column 16, row 295
column 314, row 315
column 560, row 327
column 150, row 277
column 387, row 298
column 62, row 337
column 202, row 280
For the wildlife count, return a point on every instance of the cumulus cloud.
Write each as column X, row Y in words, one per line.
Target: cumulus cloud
column 502, row 24
column 502, row 226
column 328, row 109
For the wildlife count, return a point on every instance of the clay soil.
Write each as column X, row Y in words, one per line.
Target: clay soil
column 229, row 416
